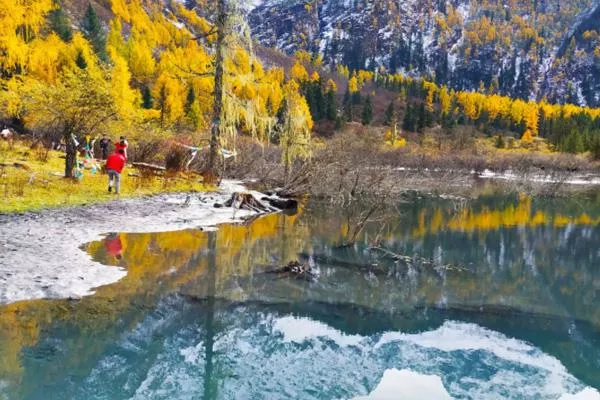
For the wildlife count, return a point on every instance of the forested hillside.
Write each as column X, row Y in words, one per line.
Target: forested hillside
column 142, row 70
column 531, row 49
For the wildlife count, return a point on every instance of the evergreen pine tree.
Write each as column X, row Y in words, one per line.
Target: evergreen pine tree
column 390, row 114
column 356, row 98
column 147, row 100
column 80, row 60
column 422, row 118
column 367, row 113
column 408, row 122
column 339, row 122
column 330, row 106
column 60, row 23
column 310, row 92
column 92, row 29
column 319, row 100
column 190, row 99
column 348, row 106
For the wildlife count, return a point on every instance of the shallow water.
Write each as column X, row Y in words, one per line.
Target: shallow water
column 503, row 304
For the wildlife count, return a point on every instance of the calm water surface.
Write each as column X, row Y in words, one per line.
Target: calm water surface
column 514, row 312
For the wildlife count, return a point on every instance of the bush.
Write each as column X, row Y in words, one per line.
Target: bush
column 500, row 142
column 176, row 158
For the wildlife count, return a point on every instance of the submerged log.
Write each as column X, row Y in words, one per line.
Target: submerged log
column 294, row 269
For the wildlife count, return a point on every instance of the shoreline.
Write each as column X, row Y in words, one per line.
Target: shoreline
column 40, row 255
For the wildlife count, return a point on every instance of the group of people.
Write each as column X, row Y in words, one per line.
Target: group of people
column 114, row 162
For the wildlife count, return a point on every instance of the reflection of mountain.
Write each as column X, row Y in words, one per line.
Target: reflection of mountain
column 263, row 351
column 526, row 256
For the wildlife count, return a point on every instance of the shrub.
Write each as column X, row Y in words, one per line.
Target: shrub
column 176, row 158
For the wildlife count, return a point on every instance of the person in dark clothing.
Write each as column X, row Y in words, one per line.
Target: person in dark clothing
column 104, row 143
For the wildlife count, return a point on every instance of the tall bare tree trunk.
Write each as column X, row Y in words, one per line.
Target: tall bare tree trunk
column 70, row 155
column 218, row 99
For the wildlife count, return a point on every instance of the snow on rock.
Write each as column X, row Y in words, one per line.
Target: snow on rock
column 40, row 255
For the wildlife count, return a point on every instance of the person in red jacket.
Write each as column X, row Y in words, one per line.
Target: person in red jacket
column 114, row 167
column 122, row 144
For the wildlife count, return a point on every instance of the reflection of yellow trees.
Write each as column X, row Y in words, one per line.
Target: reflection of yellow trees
column 157, row 263
column 468, row 220
column 13, row 340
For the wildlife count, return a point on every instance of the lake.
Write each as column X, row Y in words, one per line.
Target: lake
column 495, row 297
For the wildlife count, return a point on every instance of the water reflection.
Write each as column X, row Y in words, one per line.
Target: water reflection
column 533, row 274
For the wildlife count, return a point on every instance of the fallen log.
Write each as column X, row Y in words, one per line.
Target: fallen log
column 154, row 167
column 246, row 201
column 18, row 165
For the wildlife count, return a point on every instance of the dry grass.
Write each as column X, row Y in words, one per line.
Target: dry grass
column 38, row 186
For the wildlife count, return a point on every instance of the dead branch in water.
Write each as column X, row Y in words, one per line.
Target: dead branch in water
column 417, row 260
column 294, row 269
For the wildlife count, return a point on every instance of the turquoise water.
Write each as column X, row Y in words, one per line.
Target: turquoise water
column 502, row 304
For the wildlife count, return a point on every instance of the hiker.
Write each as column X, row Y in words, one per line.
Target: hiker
column 104, row 143
column 122, row 145
column 114, row 167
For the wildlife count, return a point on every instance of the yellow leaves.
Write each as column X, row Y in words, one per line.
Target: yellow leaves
column 10, row 99
column 169, row 94
column 445, row 101
column 120, row 9
column 393, row 140
column 160, row 54
column 527, row 136
column 43, row 58
column 303, row 57
column 497, row 106
column 431, row 90
column 295, row 135
column 298, row 72
column 531, row 117
column 317, row 61
column 364, row 76
column 141, row 60
column 115, row 37
column 331, row 86
column 342, row 70
column 353, row 85
column 470, row 104
column 125, row 98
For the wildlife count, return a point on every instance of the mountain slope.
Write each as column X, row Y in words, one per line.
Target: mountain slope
column 527, row 49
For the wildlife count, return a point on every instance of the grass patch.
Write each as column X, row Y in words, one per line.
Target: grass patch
column 35, row 185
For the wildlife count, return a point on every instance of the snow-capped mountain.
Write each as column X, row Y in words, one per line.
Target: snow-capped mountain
column 529, row 49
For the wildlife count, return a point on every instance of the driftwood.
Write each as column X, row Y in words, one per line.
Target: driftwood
column 245, row 201
column 294, row 269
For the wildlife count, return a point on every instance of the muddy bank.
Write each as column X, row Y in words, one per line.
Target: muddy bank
column 40, row 255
